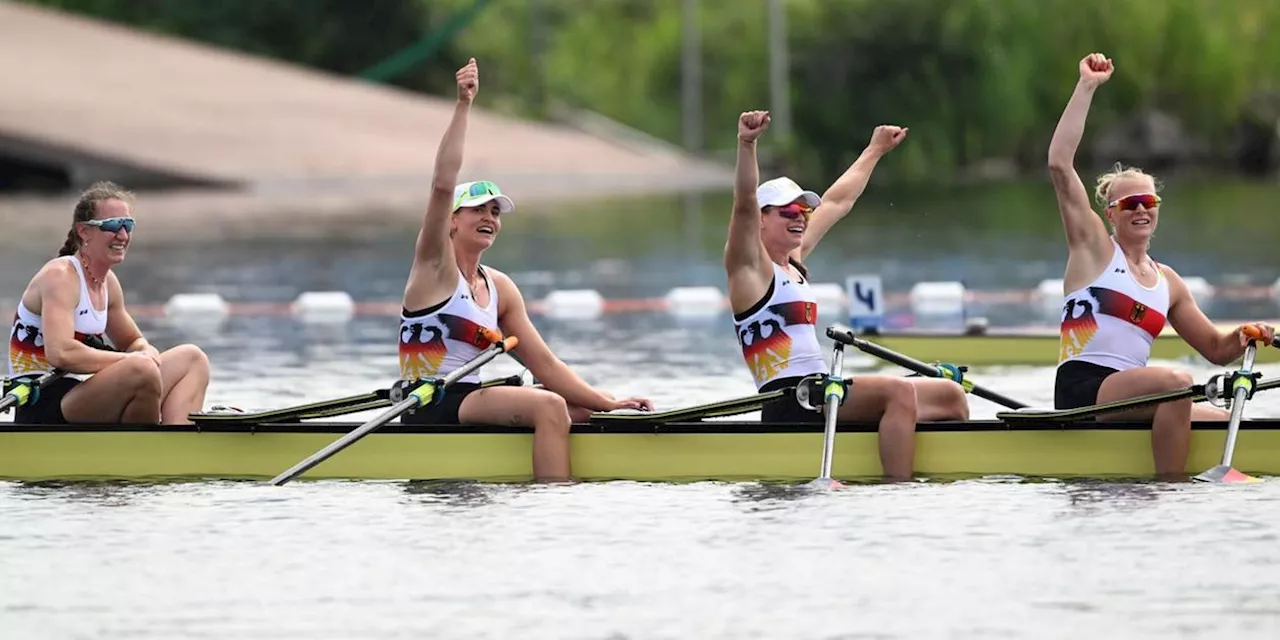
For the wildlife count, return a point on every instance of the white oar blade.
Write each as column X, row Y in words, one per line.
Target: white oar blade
column 1225, row 474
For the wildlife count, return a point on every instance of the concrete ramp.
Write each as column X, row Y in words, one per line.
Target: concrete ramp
column 104, row 101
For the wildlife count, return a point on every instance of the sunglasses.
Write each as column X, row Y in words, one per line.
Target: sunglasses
column 113, row 225
column 1129, row 203
column 795, row 210
column 484, row 188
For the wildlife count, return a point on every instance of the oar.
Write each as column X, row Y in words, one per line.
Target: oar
column 322, row 409
column 1197, row 393
column 718, row 409
column 24, row 390
column 844, row 334
column 833, row 390
column 421, row 396
column 1242, row 387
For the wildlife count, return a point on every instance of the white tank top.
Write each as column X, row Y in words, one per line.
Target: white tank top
column 777, row 335
column 437, row 340
column 1113, row 321
column 26, row 340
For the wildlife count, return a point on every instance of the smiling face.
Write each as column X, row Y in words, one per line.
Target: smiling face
column 782, row 228
column 476, row 228
column 105, row 238
column 1134, row 208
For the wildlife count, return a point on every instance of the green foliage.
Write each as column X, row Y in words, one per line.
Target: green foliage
column 973, row 79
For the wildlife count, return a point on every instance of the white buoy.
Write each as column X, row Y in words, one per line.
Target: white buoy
column 1200, row 289
column 574, row 303
column 205, row 305
column 1049, row 297
column 324, row 306
column 831, row 297
column 937, row 298
column 695, row 301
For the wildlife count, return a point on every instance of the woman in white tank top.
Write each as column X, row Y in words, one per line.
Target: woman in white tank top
column 69, row 310
column 773, row 228
column 450, row 297
column 1118, row 299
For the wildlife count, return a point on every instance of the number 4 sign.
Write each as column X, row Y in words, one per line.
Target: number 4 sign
column 866, row 302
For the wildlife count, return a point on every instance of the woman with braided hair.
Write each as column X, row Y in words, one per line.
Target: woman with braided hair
column 75, row 301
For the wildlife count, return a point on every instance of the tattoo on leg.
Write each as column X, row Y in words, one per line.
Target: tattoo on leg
column 517, row 420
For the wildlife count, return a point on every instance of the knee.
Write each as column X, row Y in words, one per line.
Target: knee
column 551, row 411
column 957, row 402
column 1178, row 379
column 900, row 394
column 144, row 374
column 195, row 357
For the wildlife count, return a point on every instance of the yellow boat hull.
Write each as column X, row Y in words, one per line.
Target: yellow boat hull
column 729, row 451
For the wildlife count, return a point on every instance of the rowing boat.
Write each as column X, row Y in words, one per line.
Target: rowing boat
column 1018, row 347
column 725, row 450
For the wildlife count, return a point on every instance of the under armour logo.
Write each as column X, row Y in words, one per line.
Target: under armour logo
column 84, row 312
column 1119, row 270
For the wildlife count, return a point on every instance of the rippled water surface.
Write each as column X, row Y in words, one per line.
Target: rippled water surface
column 970, row 559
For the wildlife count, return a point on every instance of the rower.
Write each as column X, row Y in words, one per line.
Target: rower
column 450, row 296
column 1118, row 298
column 776, row 225
column 76, row 300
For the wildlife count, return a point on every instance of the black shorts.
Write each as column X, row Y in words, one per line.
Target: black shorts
column 1077, row 383
column 446, row 410
column 47, row 409
column 787, row 409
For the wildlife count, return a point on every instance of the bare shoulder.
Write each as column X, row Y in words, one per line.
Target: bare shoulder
column 509, row 295
column 1176, row 284
column 115, row 291
column 502, row 281
column 57, row 272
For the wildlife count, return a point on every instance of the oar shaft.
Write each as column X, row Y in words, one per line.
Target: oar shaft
column 345, row 441
column 1238, row 397
column 844, row 334
column 832, row 413
column 416, row 398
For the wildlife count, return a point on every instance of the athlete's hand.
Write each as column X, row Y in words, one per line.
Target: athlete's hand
column 468, row 81
column 1095, row 69
column 1261, row 332
column 751, row 124
column 639, row 404
column 886, row 138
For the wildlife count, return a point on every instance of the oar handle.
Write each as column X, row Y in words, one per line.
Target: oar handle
column 25, row 391
column 1254, row 333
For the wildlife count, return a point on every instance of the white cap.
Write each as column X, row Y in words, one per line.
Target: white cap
column 782, row 191
column 474, row 194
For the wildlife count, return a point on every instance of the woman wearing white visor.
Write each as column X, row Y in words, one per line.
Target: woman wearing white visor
column 450, row 297
column 773, row 228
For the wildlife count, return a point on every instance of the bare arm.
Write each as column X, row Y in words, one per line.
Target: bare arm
column 840, row 197
column 745, row 260
column 1086, row 234
column 59, row 294
column 121, row 328
column 533, row 352
column 433, row 251
column 1186, row 318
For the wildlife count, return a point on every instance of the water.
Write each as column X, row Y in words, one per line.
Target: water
column 974, row 558
column 970, row 559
